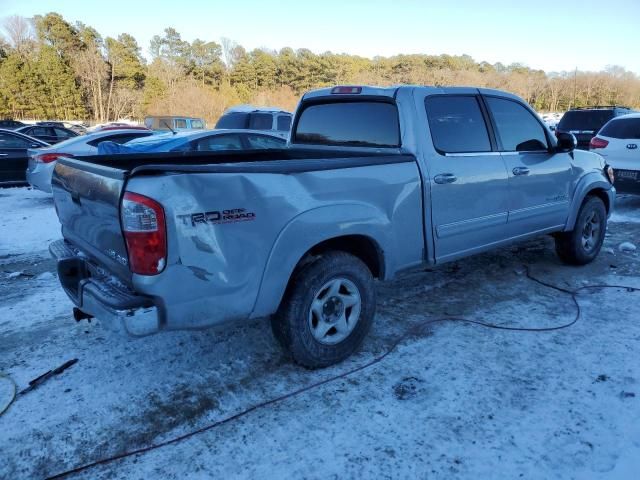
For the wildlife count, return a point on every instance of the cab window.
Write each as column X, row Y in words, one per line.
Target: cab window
column 517, row 129
column 457, row 124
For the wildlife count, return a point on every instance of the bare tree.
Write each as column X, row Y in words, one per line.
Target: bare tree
column 19, row 32
column 228, row 49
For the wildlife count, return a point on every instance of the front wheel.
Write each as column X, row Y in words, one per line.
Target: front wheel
column 327, row 311
column 582, row 245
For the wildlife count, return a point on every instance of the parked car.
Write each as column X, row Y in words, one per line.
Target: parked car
column 48, row 123
column 583, row 123
column 42, row 161
column 375, row 181
column 9, row 124
column 49, row 134
column 79, row 128
column 256, row 118
column 14, row 157
column 166, row 123
column 203, row 141
column 619, row 143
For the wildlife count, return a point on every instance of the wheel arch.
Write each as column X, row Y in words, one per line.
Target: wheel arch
column 590, row 185
column 304, row 240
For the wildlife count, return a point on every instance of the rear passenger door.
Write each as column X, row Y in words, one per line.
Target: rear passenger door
column 538, row 176
column 468, row 179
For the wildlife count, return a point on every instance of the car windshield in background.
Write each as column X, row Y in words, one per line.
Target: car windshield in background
column 627, row 128
column 233, row 120
column 585, row 120
column 365, row 124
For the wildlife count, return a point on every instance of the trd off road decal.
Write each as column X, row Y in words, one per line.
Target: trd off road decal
column 233, row 215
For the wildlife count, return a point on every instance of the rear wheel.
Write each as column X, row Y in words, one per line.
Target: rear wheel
column 582, row 245
column 327, row 310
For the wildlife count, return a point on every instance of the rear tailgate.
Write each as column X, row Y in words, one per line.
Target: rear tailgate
column 87, row 199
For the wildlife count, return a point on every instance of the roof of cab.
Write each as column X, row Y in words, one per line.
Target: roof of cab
column 393, row 90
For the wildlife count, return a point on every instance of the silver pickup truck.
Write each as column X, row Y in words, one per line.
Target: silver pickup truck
column 375, row 181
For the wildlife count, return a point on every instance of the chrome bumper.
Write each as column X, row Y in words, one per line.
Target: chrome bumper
column 103, row 297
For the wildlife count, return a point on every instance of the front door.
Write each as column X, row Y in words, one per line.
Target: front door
column 539, row 178
column 468, row 180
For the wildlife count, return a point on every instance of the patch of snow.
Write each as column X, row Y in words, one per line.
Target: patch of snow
column 28, row 223
column 626, row 209
column 609, row 250
column 627, row 247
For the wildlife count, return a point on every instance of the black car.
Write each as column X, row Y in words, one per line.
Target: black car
column 47, row 133
column 13, row 156
column 9, row 124
column 584, row 123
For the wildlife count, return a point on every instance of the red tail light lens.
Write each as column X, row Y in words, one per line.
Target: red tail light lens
column 50, row 157
column 597, row 142
column 144, row 228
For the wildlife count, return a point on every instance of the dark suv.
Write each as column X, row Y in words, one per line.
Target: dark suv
column 585, row 122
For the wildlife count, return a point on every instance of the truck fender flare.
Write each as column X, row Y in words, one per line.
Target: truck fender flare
column 305, row 231
column 587, row 184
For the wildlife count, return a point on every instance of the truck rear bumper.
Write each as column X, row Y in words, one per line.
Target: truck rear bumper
column 101, row 296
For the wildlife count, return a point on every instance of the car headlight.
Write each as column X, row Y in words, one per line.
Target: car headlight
column 610, row 174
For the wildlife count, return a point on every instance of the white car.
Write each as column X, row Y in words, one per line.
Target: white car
column 42, row 161
column 618, row 141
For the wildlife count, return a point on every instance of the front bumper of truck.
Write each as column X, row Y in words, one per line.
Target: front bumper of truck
column 96, row 294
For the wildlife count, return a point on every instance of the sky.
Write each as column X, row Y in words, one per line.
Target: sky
column 553, row 35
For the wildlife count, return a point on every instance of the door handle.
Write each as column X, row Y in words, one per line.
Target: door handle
column 445, row 178
column 520, row 171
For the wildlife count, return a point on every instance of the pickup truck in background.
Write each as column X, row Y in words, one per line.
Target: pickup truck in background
column 374, row 182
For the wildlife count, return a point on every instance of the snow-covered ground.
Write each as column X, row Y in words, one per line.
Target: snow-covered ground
column 453, row 401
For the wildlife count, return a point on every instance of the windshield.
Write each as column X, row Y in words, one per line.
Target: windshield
column 585, row 120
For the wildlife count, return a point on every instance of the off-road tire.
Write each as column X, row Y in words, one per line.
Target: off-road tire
column 291, row 326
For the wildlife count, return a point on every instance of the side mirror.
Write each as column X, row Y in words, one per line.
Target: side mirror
column 566, row 142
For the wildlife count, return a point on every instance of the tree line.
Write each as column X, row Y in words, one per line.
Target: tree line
column 53, row 69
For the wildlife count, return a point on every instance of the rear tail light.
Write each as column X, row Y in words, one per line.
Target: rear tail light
column 597, row 142
column 144, row 228
column 50, row 157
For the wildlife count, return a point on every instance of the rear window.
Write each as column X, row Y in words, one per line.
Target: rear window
column 261, row 121
column 284, row 123
column 233, row 120
column 585, row 120
column 626, row 128
column 363, row 124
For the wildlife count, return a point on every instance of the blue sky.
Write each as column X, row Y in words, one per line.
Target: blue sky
column 553, row 35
